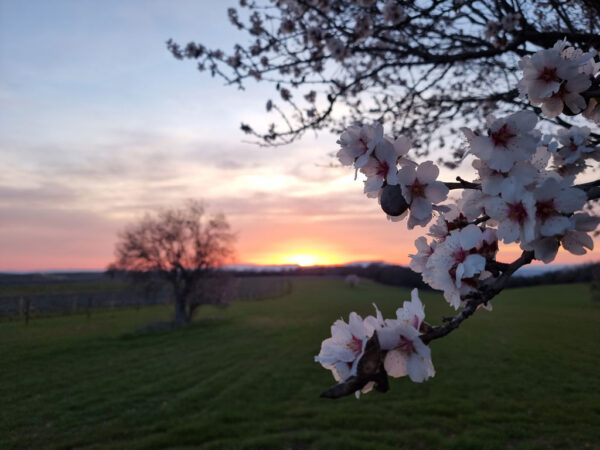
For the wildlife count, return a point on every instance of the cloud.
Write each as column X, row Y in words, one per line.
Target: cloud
column 47, row 193
column 51, row 238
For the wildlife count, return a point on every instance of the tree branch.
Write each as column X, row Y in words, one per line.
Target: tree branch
column 483, row 295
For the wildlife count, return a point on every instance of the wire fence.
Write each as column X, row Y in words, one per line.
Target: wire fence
column 26, row 306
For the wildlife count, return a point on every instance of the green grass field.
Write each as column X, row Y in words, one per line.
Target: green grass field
column 523, row 376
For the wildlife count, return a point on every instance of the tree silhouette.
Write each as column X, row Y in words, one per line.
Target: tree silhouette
column 184, row 247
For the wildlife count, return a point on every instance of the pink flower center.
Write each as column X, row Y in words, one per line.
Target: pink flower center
column 459, row 255
column 407, row 345
column 572, row 145
column 457, row 223
column 415, row 322
column 548, row 75
column 355, row 345
column 365, row 145
column 502, row 136
column 382, row 169
column 417, row 189
column 545, row 209
column 517, row 212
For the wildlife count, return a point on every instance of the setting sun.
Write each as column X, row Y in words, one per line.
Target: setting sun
column 301, row 257
column 307, row 258
column 303, row 260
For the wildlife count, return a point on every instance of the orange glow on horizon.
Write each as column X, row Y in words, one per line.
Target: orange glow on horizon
column 301, row 257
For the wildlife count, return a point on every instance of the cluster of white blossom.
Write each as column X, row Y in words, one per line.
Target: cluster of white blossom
column 518, row 200
column 404, row 352
column 525, row 193
column 455, row 262
column 383, row 161
column 555, row 78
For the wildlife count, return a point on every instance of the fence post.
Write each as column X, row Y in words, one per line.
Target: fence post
column 27, row 309
column 88, row 311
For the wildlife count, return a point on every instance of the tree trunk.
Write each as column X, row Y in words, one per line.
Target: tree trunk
column 181, row 316
column 181, row 291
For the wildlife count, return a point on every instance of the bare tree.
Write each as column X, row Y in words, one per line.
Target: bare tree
column 425, row 68
column 184, row 247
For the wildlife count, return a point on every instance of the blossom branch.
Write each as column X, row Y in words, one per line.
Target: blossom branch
column 481, row 296
column 526, row 199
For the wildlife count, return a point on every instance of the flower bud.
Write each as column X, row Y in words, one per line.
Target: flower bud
column 392, row 200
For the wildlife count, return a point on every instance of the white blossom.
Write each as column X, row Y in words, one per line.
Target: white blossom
column 514, row 212
column 454, row 218
column 424, row 251
column 555, row 200
column 471, row 203
column 420, row 190
column 510, row 140
column 407, row 354
column 358, row 142
column 493, row 181
column 402, row 146
column 381, row 167
column 413, row 312
column 574, row 144
column 568, row 94
column 578, row 240
column 341, row 352
column 555, row 78
column 543, row 73
column 454, row 264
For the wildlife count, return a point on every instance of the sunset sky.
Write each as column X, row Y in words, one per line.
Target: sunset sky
column 99, row 124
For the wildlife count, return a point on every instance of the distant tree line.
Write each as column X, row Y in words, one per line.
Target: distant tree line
column 380, row 272
column 403, row 276
column 584, row 273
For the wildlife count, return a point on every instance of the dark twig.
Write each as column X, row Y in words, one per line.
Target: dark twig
column 592, row 189
column 462, row 184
